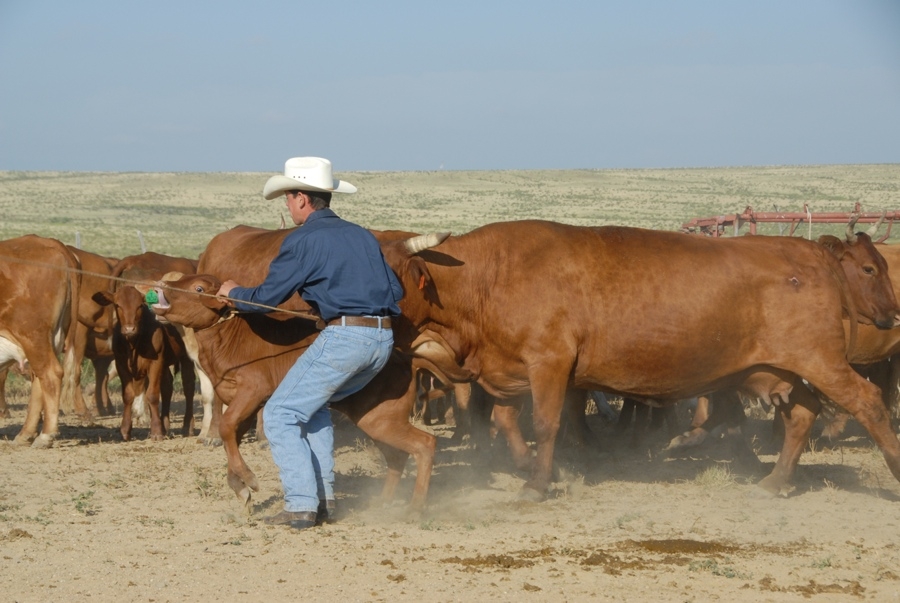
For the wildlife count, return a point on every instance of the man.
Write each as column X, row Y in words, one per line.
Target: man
column 338, row 268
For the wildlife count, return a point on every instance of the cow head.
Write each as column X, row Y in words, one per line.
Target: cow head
column 189, row 301
column 129, row 308
column 867, row 276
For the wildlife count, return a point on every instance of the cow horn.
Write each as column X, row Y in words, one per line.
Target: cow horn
column 422, row 242
column 851, row 236
column 874, row 230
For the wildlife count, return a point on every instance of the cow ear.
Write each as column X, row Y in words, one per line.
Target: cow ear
column 103, row 298
column 832, row 244
column 418, row 270
column 144, row 287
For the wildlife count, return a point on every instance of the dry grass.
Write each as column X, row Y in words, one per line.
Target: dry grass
column 177, row 213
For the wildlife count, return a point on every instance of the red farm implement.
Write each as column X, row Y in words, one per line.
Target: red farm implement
column 718, row 226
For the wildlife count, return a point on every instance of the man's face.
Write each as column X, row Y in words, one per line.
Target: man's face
column 296, row 202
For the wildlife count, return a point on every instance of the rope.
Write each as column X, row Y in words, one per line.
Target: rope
column 156, row 284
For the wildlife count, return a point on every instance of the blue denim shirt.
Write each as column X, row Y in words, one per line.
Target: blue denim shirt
column 337, row 267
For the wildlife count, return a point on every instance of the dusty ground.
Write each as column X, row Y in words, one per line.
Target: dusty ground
column 95, row 519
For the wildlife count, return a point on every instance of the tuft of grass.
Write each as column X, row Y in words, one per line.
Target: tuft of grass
column 822, row 563
column 84, row 503
column 713, row 567
column 623, row 520
column 715, row 477
column 202, row 482
column 429, row 525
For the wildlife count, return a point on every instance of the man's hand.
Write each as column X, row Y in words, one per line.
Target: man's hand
column 225, row 289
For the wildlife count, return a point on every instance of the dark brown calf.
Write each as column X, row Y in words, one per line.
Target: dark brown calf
column 144, row 350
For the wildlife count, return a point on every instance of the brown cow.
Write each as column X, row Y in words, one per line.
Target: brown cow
column 242, row 254
column 93, row 333
column 39, row 288
column 247, row 355
column 870, row 355
column 144, row 348
column 545, row 306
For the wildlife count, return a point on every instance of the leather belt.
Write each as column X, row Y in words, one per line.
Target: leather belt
column 378, row 322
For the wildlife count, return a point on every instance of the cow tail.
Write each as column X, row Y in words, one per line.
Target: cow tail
column 70, row 372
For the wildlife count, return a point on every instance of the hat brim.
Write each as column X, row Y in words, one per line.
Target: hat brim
column 278, row 185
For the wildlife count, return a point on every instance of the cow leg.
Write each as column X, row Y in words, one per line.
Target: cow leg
column 462, row 416
column 48, row 375
column 641, row 424
column 388, row 424
column 699, row 428
column 167, row 390
column 4, row 410
column 799, row 415
column 506, row 419
column 157, row 378
column 188, row 385
column 241, row 479
column 29, row 429
column 548, row 389
column 626, row 415
column 207, row 396
column 101, row 386
column 869, row 410
column 213, row 438
column 128, row 395
column 835, row 424
column 80, row 408
column 701, row 412
column 576, row 421
column 261, row 438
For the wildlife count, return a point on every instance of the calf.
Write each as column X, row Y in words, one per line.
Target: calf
column 247, row 356
column 93, row 332
column 144, row 350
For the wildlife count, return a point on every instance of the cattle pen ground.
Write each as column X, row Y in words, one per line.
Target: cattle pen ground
column 101, row 520
column 96, row 519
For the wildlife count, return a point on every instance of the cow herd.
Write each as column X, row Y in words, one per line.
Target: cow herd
column 521, row 308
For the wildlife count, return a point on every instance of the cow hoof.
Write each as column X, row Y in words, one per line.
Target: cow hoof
column 688, row 439
column 156, row 437
column 771, row 488
column 527, row 494
column 211, row 442
column 22, row 440
column 245, row 495
column 43, row 441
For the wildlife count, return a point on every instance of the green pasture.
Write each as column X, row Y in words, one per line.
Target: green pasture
column 177, row 213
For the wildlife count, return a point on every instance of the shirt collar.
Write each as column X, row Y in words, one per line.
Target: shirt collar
column 320, row 213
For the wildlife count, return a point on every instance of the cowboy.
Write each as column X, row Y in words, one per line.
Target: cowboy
column 338, row 269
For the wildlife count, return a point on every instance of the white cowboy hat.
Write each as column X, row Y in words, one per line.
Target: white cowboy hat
column 306, row 174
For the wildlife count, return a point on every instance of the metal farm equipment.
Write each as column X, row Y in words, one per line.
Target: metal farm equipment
column 718, row 226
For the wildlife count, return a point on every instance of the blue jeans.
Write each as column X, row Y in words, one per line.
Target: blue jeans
column 297, row 420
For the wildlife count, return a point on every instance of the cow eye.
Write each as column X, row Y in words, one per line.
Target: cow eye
column 870, row 270
column 199, row 288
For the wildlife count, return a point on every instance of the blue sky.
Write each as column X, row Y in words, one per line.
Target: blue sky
column 124, row 85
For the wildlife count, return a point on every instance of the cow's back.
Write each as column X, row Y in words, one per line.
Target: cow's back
column 611, row 299
column 243, row 254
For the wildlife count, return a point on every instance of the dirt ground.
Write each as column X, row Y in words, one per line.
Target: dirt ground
column 96, row 519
